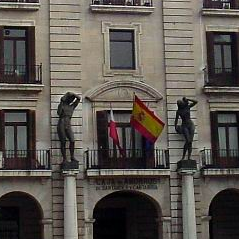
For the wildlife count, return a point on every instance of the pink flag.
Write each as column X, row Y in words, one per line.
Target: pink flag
column 114, row 133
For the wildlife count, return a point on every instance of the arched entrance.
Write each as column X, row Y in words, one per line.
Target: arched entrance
column 224, row 210
column 126, row 215
column 20, row 217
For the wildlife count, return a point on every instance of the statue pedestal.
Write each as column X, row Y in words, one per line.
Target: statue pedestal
column 187, row 168
column 70, row 204
column 68, row 165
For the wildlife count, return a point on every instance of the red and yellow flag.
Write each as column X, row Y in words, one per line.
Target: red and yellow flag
column 145, row 122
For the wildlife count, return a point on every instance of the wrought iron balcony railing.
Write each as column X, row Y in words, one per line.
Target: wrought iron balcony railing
column 21, row 74
column 222, row 158
column 21, row 1
column 128, row 159
column 148, row 3
column 25, row 160
column 220, row 4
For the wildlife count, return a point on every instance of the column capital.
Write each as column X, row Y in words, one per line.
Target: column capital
column 89, row 220
column 70, row 172
column 46, row 221
column 206, row 218
column 187, row 167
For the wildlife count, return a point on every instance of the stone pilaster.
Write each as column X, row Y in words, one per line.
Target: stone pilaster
column 70, row 204
column 187, row 168
column 89, row 228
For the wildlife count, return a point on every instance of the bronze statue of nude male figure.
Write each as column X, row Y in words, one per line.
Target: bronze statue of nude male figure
column 187, row 127
column 65, row 111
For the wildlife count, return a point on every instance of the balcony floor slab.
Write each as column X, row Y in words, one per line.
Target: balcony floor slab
column 127, row 172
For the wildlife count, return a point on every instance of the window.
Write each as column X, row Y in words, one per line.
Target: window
column 224, row 126
column 137, row 150
column 17, row 55
column 221, row 4
column 122, row 49
column 17, row 132
column 222, row 58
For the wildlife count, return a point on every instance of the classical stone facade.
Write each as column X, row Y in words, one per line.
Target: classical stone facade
column 107, row 52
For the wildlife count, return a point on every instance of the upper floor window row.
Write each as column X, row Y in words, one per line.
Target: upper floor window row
column 123, row 2
column 222, row 58
column 221, row 4
column 17, row 56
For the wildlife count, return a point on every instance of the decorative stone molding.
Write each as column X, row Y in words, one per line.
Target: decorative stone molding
column 216, row 172
column 222, row 28
column 220, row 12
column 96, row 173
column 121, row 9
column 19, row 6
column 221, row 89
column 26, row 173
column 123, row 92
column 136, row 27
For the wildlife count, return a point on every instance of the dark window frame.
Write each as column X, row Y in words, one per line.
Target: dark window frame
column 132, row 41
column 30, row 75
column 228, row 160
column 30, row 124
column 224, row 78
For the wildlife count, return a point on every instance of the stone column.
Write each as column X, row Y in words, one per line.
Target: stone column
column 187, row 168
column 47, row 228
column 70, row 204
column 89, row 228
column 205, row 226
column 166, row 223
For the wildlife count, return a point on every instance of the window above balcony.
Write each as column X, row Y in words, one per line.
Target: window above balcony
column 224, row 155
column 17, row 60
column 122, row 6
column 25, row 5
column 222, row 59
column 221, row 8
column 18, row 144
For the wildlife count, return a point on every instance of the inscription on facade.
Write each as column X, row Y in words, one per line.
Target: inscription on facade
column 126, row 184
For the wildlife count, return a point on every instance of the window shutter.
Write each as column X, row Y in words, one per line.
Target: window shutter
column 210, row 55
column 102, row 137
column 2, row 131
column 1, row 53
column 31, row 130
column 31, row 122
column 235, row 57
column 102, row 129
column 31, row 54
column 214, row 134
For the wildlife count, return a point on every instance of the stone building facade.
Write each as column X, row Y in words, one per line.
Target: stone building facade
column 107, row 51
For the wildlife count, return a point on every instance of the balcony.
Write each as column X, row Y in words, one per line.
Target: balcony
column 219, row 162
column 122, row 6
column 131, row 163
column 25, row 163
column 26, row 5
column 220, row 8
column 21, row 74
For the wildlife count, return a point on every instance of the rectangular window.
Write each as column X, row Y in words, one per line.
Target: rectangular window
column 17, row 137
column 122, row 49
column 221, row 4
column 17, row 48
column 225, row 137
column 137, row 150
column 222, row 58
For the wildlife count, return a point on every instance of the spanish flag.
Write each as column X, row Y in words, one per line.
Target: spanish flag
column 145, row 122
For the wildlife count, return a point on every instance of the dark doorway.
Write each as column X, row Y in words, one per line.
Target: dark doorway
column 9, row 223
column 126, row 215
column 110, row 223
column 224, row 210
column 20, row 217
